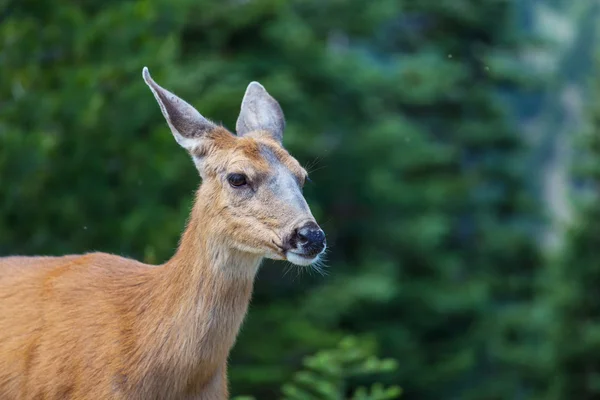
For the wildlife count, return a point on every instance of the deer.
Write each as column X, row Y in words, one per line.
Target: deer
column 102, row 326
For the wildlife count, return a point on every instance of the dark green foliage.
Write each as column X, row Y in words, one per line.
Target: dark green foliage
column 327, row 373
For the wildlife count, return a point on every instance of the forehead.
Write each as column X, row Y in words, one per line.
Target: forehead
column 257, row 151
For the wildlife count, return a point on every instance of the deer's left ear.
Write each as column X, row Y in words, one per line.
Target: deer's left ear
column 187, row 125
column 260, row 112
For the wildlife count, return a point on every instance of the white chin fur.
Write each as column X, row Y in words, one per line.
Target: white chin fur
column 299, row 260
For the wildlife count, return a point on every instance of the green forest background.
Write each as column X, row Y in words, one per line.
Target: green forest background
column 454, row 147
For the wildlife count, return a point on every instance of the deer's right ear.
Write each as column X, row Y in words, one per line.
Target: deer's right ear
column 187, row 124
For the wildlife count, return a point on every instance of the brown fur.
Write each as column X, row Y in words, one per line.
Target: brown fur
column 99, row 326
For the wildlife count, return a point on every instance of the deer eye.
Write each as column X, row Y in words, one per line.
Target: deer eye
column 237, row 180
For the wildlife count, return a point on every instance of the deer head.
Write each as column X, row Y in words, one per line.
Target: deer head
column 253, row 184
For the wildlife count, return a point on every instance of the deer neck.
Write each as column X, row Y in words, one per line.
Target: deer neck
column 205, row 259
column 204, row 290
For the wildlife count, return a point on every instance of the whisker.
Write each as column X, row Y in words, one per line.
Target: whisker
column 319, row 266
column 316, row 169
column 299, row 272
column 287, row 268
column 312, row 163
column 327, row 220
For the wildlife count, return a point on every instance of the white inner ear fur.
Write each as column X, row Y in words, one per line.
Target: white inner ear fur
column 190, row 144
column 260, row 112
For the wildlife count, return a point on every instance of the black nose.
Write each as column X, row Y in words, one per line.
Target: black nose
column 310, row 238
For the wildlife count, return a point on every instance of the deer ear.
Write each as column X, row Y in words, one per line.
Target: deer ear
column 260, row 112
column 186, row 123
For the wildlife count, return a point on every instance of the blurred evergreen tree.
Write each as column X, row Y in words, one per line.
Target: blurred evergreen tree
column 572, row 285
column 394, row 106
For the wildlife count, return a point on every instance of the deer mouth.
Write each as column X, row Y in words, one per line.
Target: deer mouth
column 302, row 259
